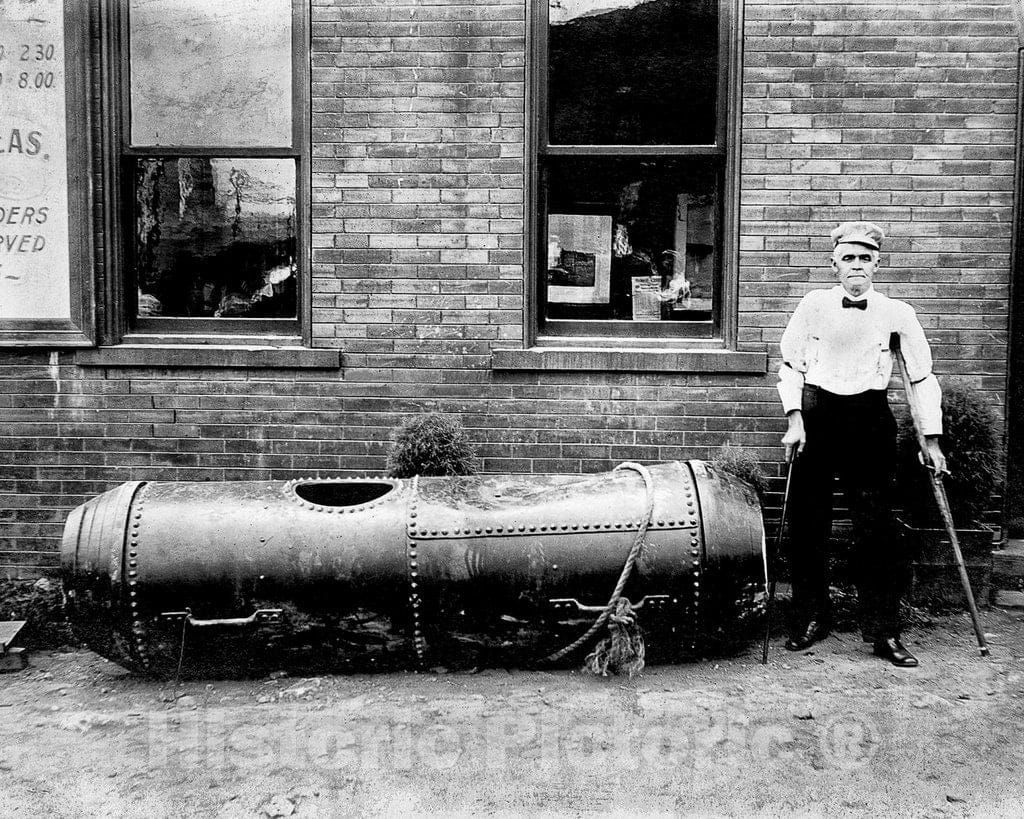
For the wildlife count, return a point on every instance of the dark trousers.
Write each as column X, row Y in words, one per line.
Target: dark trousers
column 852, row 437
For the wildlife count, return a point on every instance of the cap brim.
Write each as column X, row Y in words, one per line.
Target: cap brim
column 867, row 241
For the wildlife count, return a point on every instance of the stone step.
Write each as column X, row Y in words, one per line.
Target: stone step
column 1009, row 562
column 1010, row 599
column 14, row 659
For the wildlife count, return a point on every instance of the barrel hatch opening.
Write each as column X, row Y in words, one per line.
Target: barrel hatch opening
column 343, row 493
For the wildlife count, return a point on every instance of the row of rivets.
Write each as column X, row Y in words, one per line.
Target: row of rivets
column 419, row 644
column 696, row 603
column 133, row 572
column 296, row 481
column 695, row 553
column 691, row 509
column 564, row 527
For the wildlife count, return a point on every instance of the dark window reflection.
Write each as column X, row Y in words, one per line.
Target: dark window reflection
column 641, row 73
column 215, row 237
column 630, row 238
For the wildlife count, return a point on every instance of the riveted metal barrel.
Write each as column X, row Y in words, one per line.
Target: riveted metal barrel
column 222, row 579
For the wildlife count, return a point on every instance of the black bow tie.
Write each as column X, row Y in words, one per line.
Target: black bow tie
column 859, row 305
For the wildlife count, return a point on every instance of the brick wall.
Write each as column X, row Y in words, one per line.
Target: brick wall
column 899, row 113
column 902, row 113
column 418, row 130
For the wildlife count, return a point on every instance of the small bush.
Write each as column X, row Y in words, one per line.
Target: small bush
column 431, row 444
column 971, row 445
column 41, row 605
column 738, row 462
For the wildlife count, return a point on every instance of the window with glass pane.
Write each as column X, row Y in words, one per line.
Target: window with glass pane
column 211, row 73
column 212, row 161
column 215, row 237
column 630, row 168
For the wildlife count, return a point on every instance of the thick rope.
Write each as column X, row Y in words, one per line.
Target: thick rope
column 627, row 569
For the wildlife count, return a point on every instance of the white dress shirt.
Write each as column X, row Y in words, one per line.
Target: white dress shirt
column 845, row 350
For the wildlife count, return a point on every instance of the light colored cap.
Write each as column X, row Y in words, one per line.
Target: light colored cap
column 858, row 233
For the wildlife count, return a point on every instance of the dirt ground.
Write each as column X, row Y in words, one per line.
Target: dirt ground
column 832, row 731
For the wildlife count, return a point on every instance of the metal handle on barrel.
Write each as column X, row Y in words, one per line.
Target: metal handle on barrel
column 259, row 616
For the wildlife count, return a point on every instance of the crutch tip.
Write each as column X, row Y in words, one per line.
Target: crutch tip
column 984, row 651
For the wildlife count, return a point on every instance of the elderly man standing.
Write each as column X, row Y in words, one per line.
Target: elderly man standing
column 834, row 378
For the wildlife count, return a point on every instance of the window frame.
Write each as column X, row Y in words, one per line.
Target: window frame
column 721, row 331
column 78, row 328
column 118, row 323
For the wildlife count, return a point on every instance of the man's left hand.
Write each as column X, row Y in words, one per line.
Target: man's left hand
column 935, row 459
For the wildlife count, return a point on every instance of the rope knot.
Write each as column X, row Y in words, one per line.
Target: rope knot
column 623, row 649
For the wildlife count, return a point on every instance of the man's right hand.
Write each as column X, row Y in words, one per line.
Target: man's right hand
column 795, row 438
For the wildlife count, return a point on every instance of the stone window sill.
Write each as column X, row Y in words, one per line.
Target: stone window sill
column 631, row 360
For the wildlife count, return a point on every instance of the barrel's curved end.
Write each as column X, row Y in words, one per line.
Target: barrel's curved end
column 733, row 518
column 69, row 545
column 735, row 559
column 92, row 571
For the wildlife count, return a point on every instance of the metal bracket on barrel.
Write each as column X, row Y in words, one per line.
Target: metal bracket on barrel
column 258, row 617
column 654, row 601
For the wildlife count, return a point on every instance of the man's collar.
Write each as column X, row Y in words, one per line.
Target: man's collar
column 841, row 292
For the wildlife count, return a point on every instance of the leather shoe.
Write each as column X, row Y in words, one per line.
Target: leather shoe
column 816, row 630
column 895, row 652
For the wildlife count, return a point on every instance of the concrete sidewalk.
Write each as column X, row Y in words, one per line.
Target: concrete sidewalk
column 831, row 731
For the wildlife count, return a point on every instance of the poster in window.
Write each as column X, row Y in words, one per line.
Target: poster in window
column 579, row 258
column 646, row 293
column 39, row 297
